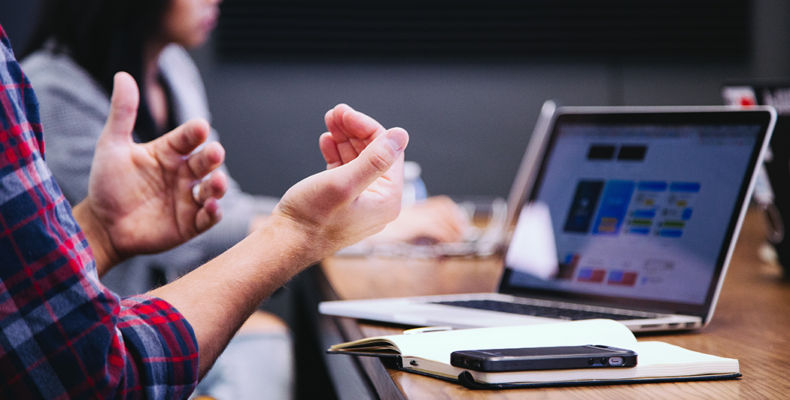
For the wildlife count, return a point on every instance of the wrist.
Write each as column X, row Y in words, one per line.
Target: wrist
column 257, row 222
column 99, row 240
column 299, row 242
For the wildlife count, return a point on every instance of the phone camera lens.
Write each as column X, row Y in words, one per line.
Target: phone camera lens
column 591, row 361
column 603, row 361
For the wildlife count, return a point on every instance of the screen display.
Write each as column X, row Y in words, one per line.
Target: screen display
column 634, row 211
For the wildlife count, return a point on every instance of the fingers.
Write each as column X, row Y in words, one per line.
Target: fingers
column 210, row 191
column 208, row 215
column 351, row 130
column 172, row 147
column 447, row 227
column 213, row 187
column 123, row 108
column 454, row 219
column 377, row 160
column 346, row 150
column 359, row 125
column 332, row 124
column 184, row 139
column 206, row 160
column 329, row 151
column 438, row 218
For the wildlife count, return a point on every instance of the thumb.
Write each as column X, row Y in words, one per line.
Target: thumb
column 123, row 108
column 377, row 159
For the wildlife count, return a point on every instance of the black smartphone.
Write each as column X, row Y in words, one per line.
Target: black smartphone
column 542, row 358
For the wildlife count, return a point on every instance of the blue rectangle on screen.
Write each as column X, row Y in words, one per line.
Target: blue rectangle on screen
column 639, row 231
column 674, row 233
column 686, row 214
column 652, row 186
column 615, row 276
column 644, row 214
column 689, row 187
column 614, row 205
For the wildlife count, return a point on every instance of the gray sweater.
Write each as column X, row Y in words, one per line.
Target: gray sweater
column 74, row 108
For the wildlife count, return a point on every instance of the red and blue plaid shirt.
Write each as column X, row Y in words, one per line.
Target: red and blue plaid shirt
column 62, row 334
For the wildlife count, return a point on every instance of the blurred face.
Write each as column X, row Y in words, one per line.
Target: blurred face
column 189, row 22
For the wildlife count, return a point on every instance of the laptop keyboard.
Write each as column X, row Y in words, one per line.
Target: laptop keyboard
column 541, row 311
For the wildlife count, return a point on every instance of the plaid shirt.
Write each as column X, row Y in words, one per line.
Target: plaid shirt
column 62, row 334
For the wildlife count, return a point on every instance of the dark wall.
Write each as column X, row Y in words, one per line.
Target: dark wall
column 469, row 122
column 16, row 17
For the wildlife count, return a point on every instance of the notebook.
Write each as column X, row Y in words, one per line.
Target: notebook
column 629, row 214
column 430, row 354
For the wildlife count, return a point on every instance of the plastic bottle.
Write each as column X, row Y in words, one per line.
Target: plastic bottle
column 414, row 190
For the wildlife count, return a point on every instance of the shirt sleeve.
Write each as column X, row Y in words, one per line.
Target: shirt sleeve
column 63, row 334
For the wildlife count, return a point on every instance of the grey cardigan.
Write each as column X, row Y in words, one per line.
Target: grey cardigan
column 73, row 110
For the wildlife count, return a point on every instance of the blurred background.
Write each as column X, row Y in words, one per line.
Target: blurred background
column 465, row 78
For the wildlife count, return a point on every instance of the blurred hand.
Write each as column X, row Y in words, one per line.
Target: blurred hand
column 361, row 190
column 436, row 220
column 140, row 196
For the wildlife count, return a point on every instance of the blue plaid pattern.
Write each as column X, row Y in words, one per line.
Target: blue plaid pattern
column 62, row 334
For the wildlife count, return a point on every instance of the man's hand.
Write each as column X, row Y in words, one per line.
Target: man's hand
column 140, row 196
column 361, row 190
column 350, row 132
column 356, row 197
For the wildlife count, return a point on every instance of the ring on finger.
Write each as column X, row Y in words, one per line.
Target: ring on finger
column 196, row 194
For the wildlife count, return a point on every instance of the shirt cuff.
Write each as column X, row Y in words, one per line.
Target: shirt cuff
column 163, row 349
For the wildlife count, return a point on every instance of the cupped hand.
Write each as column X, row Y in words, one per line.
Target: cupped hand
column 437, row 219
column 358, row 194
column 140, row 196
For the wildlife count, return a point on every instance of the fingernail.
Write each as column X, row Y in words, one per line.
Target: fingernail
column 397, row 139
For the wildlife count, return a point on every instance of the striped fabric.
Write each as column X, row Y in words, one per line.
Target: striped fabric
column 62, row 334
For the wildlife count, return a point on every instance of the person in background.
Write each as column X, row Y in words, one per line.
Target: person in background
column 65, row 335
column 76, row 48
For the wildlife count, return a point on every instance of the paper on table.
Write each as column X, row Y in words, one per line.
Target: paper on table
column 438, row 346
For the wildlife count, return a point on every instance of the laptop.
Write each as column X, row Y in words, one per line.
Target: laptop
column 629, row 214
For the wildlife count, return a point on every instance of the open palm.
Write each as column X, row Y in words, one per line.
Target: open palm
column 142, row 194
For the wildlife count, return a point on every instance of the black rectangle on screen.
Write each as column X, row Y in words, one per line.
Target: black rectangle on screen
column 601, row 152
column 632, row 153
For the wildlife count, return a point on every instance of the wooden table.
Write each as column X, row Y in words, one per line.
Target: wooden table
column 751, row 324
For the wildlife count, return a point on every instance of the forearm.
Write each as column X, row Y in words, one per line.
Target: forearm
column 219, row 296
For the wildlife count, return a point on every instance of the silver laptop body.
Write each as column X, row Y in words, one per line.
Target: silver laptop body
column 628, row 213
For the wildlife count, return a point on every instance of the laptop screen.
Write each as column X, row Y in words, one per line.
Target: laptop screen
column 635, row 209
